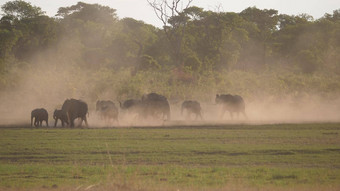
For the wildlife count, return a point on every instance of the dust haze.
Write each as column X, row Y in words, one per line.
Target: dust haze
column 48, row 86
column 51, row 80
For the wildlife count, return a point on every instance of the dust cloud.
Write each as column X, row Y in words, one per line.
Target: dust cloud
column 49, row 88
column 50, row 81
column 266, row 111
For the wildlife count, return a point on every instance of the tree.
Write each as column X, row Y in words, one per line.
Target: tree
column 8, row 37
column 132, row 40
column 215, row 38
column 18, row 9
column 286, row 39
column 89, row 12
column 26, row 29
column 88, row 29
column 38, row 34
column 174, row 19
column 266, row 23
column 165, row 9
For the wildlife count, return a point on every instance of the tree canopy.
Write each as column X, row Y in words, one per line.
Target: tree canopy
column 193, row 42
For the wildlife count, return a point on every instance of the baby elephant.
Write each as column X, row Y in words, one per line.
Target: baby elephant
column 39, row 116
column 192, row 107
column 59, row 114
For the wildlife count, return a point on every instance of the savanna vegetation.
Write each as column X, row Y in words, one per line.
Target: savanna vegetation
column 87, row 50
column 227, row 157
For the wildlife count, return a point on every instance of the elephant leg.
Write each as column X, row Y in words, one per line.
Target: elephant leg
column 35, row 122
column 62, row 122
column 86, row 122
column 65, row 121
column 56, row 121
column 70, row 120
column 47, row 122
column 81, row 122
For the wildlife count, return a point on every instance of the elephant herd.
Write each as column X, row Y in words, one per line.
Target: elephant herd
column 150, row 106
column 71, row 110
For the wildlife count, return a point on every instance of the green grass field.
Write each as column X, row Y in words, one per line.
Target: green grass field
column 225, row 157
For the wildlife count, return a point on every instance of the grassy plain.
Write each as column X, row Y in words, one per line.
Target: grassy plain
column 223, row 157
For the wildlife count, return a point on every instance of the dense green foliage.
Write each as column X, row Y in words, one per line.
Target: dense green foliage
column 253, row 156
column 198, row 50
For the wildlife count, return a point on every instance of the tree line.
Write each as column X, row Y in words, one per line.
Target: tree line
column 192, row 44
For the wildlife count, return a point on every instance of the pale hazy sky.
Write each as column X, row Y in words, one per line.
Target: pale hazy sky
column 140, row 10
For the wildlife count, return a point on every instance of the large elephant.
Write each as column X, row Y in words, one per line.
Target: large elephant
column 60, row 115
column 231, row 103
column 132, row 106
column 75, row 109
column 107, row 111
column 39, row 116
column 155, row 106
column 192, row 107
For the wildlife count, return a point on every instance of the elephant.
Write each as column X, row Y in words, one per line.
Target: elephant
column 59, row 114
column 192, row 107
column 39, row 116
column 151, row 105
column 107, row 110
column 154, row 105
column 75, row 109
column 133, row 107
column 102, row 105
column 231, row 103
column 130, row 104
